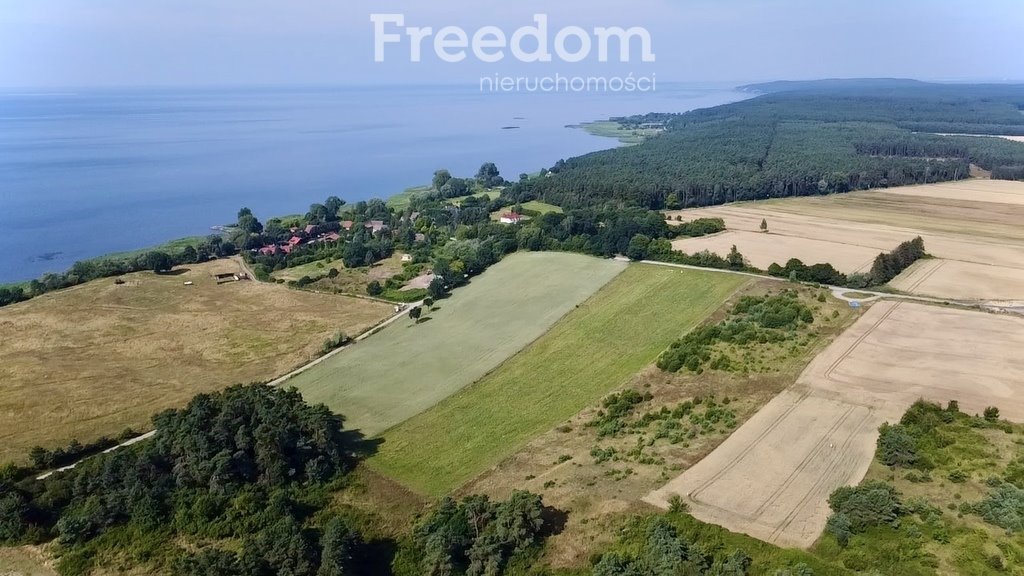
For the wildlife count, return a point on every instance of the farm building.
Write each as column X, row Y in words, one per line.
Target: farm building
column 511, row 218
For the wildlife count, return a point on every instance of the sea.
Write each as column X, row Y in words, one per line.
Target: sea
column 88, row 172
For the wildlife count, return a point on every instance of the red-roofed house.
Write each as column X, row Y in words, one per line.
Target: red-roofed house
column 310, row 229
column 294, row 241
column 268, row 250
column 287, row 248
column 331, row 237
column 511, row 218
column 347, row 224
column 375, row 225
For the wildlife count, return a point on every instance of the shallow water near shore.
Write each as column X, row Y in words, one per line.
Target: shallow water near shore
column 89, row 172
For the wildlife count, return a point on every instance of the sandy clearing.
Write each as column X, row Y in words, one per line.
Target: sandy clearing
column 762, row 250
column 820, row 434
column 421, row 282
column 961, row 280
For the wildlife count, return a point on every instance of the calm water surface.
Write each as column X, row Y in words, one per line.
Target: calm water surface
column 85, row 173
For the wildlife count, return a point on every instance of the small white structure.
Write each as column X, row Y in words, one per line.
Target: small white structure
column 511, row 218
column 406, row 257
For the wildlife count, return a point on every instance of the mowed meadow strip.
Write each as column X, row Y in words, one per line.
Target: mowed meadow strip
column 591, row 351
column 409, row 367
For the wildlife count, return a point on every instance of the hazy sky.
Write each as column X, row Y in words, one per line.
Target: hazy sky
column 282, row 42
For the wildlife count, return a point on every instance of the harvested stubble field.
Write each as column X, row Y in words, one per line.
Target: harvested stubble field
column 971, row 227
column 821, row 434
column 409, row 367
column 97, row 358
column 594, row 349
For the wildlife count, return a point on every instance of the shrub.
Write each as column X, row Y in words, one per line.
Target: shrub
column 336, row 341
column 896, row 447
column 857, row 508
column 374, row 288
column 1003, row 507
column 991, row 414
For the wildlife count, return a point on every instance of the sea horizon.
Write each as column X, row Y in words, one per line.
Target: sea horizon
column 88, row 172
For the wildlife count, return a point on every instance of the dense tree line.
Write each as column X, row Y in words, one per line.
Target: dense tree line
column 886, row 266
column 889, row 265
column 795, row 144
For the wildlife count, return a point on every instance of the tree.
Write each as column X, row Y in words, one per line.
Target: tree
column 333, row 204
column 436, row 289
column 735, row 259
column 441, row 177
column 373, row 288
column 340, row 545
column 249, row 224
column 428, row 301
column 159, row 262
column 415, row 313
column 488, row 175
column 764, row 225
column 318, row 214
column 189, row 255
column 13, row 509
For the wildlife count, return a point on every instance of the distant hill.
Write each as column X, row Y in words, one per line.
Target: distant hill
column 876, row 84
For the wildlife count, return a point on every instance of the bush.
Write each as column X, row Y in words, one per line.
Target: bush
column 991, row 414
column 374, row 288
column 1003, row 507
column 336, row 341
column 896, row 447
column 958, row 476
column 857, row 508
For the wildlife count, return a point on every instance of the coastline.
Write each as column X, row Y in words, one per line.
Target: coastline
column 397, row 201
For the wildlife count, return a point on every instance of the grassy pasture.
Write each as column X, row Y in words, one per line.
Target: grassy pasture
column 91, row 360
column 408, row 367
column 591, row 351
column 541, row 207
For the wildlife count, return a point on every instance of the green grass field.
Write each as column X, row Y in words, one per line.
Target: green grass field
column 487, row 194
column 407, row 367
column 541, row 207
column 314, row 270
column 401, row 200
column 591, row 351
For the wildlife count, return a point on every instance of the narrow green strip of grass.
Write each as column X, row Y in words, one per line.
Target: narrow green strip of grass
column 591, row 351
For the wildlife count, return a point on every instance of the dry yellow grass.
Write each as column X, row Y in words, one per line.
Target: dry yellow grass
column 972, row 226
column 821, row 433
column 94, row 359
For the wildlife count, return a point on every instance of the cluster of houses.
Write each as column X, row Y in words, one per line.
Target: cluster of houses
column 310, row 235
column 299, row 237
